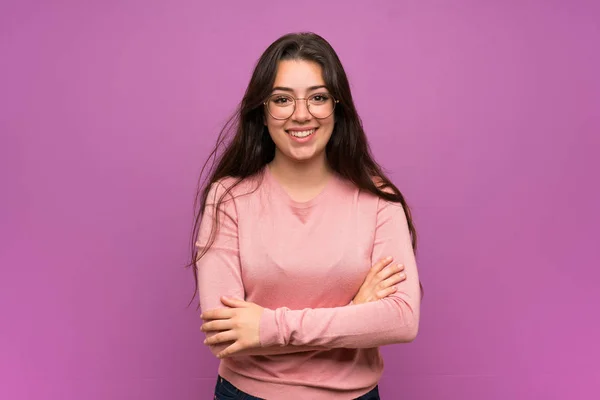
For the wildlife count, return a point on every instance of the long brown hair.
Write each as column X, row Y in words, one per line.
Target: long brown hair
column 251, row 147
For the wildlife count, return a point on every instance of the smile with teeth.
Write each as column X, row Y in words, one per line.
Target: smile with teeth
column 302, row 134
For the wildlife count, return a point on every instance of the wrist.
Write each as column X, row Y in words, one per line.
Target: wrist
column 268, row 329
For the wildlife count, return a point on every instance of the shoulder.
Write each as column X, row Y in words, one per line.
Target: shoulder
column 351, row 187
column 225, row 184
column 385, row 205
column 369, row 197
column 364, row 201
column 381, row 185
column 230, row 188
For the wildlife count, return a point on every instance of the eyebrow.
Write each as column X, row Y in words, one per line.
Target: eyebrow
column 287, row 89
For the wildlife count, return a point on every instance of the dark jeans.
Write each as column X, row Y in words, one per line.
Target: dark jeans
column 226, row 391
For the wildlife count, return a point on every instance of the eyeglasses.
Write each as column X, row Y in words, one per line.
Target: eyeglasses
column 283, row 106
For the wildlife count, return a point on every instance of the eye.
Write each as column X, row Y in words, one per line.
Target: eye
column 320, row 98
column 281, row 100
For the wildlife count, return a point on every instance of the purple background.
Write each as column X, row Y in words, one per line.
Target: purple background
column 486, row 114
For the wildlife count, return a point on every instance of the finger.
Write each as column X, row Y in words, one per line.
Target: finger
column 218, row 313
column 379, row 265
column 382, row 294
column 231, row 350
column 389, row 271
column 231, row 302
column 221, row 337
column 394, row 279
column 217, row 325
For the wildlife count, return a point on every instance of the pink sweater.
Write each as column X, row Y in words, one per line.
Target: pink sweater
column 304, row 262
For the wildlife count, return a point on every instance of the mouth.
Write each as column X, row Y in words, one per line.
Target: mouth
column 301, row 134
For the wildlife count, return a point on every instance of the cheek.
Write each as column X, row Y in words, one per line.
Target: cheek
column 329, row 124
column 273, row 124
column 275, row 129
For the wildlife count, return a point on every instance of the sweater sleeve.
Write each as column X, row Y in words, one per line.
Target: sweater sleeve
column 394, row 319
column 219, row 270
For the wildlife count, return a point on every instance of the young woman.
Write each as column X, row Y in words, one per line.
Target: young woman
column 304, row 254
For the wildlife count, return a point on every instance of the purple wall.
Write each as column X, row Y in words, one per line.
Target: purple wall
column 485, row 113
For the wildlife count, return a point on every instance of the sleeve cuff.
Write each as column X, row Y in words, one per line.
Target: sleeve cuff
column 268, row 329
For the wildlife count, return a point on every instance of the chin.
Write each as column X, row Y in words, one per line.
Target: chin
column 301, row 159
column 306, row 157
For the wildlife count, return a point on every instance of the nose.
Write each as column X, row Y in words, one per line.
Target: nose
column 301, row 113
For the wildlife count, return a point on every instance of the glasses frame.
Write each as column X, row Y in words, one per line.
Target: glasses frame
column 335, row 101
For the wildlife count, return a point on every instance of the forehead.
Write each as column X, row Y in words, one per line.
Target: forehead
column 298, row 74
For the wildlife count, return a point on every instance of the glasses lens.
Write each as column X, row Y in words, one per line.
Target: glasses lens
column 281, row 106
column 321, row 105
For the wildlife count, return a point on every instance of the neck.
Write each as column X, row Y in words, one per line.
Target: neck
column 300, row 174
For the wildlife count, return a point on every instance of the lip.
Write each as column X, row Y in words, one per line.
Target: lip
column 303, row 139
column 301, row 129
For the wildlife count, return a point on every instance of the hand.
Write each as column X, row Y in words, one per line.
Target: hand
column 238, row 324
column 380, row 281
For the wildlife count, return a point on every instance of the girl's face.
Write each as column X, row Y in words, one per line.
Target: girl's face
column 298, row 135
